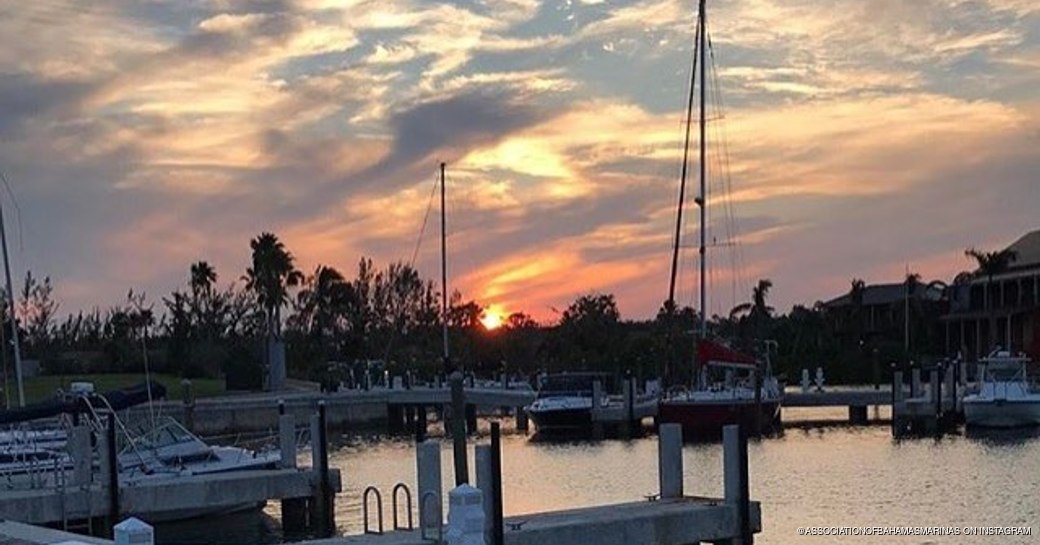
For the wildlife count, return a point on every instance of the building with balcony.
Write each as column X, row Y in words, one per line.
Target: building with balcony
column 1000, row 311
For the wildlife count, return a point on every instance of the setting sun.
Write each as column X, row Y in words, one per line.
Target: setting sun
column 492, row 318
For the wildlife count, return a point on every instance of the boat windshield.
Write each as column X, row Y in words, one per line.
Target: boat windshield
column 169, row 433
column 571, row 385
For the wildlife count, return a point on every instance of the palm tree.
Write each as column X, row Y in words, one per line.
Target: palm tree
column 991, row 264
column 203, row 277
column 272, row 274
column 324, row 301
column 758, row 297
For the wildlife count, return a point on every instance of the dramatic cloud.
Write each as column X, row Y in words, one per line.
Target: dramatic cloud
column 847, row 140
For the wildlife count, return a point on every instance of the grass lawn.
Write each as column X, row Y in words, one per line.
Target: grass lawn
column 43, row 387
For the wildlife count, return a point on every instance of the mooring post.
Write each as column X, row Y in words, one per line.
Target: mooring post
column 897, row 389
column 286, row 437
column 757, row 420
column 735, row 480
column 670, row 460
column 112, row 461
column 323, row 510
column 465, row 516
column 497, row 529
column 597, row 407
column 458, row 429
column 188, row 399
column 420, row 423
column 934, row 390
column 471, row 418
column 486, row 484
column 915, row 382
column 428, row 475
column 82, row 460
column 625, row 427
column 521, row 419
column 132, row 531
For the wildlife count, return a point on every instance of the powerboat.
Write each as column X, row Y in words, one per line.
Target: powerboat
column 565, row 401
column 726, row 395
column 1005, row 398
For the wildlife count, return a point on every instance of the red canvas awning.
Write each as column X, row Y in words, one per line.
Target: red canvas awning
column 713, row 352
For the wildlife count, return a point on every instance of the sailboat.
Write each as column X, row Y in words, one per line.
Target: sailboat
column 731, row 387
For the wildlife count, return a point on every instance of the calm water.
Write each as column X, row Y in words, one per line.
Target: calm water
column 811, row 476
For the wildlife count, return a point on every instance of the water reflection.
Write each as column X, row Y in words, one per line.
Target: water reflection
column 809, row 476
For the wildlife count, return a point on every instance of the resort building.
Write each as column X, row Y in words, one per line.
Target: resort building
column 1000, row 311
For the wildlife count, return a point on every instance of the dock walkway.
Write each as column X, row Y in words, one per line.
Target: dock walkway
column 663, row 522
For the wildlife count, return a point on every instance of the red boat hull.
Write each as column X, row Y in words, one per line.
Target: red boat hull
column 705, row 420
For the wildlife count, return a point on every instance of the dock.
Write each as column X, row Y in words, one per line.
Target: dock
column 17, row 533
column 663, row 522
column 379, row 407
column 93, row 495
column 162, row 498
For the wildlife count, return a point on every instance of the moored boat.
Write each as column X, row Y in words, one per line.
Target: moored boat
column 1005, row 398
column 727, row 394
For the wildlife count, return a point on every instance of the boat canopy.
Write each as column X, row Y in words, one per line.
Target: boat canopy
column 81, row 403
column 720, row 355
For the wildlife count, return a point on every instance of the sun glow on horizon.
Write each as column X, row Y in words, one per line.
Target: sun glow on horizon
column 492, row 318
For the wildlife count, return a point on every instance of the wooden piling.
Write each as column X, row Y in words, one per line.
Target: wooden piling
column 471, row 418
column 458, row 429
column 735, row 470
column 112, row 462
column 497, row 530
column 521, row 420
column 420, row 423
column 322, row 509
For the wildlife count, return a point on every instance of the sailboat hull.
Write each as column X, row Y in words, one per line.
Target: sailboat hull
column 700, row 420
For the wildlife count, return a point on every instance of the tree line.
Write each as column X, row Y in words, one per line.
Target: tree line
column 210, row 327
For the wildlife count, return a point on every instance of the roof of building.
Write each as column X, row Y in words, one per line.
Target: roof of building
column 884, row 294
column 1027, row 250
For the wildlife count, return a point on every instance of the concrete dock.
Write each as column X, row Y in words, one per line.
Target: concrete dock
column 163, row 498
column 255, row 413
column 678, row 521
column 17, row 533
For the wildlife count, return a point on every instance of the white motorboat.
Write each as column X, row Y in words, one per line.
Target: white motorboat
column 168, row 449
column 1005, row 398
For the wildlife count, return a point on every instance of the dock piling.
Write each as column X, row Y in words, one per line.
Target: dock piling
column 287, row 438
column 322, row 508
column 670, row 460
column 521, row 419
column 486, row 484
column 428, row 475
column 735, row 480
column 420, row 423
column 112, row 474
column 497, row 530
column 458, row 429
column 915, row 382
column 79, row 449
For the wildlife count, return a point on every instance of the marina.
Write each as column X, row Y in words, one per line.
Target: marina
column 393, row 272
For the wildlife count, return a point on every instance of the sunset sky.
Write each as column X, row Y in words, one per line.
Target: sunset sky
column 142, row 135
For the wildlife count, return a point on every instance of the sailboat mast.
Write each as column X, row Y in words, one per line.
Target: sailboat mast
column 10, row 302
column 444, row 271
column 702, row 201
